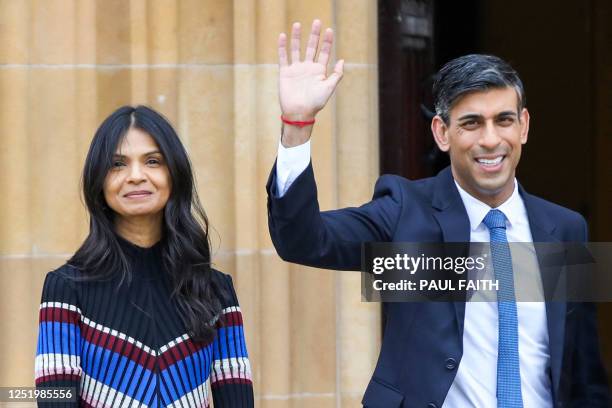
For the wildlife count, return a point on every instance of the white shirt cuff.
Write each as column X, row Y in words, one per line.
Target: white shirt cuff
column 290, row 163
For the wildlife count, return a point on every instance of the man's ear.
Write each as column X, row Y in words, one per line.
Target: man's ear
column 524, row 125
column 440, row 133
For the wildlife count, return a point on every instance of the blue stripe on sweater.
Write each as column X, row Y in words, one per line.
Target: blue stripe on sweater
column 185, row 369
column 232, row 336
column 101, row 363
column 58, row 338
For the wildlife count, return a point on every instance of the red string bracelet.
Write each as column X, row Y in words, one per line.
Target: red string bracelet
column 298, row 123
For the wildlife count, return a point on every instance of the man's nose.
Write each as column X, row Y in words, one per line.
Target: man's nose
column 489, row 137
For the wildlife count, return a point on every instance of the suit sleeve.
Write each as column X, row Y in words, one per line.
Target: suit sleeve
column 58, row 353
column 590, row 387
column 230, row 381
column 303, row 234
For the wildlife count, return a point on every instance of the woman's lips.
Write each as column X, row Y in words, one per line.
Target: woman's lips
column 138, row 194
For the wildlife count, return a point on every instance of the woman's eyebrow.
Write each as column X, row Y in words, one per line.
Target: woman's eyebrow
column 122, row 156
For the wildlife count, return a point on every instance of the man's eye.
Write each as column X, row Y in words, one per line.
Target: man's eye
column 470, row 124
column 506, row 121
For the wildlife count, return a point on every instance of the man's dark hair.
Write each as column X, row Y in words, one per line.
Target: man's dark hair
column 470, row 73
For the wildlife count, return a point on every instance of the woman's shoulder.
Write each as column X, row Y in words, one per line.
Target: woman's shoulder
column 225, row 286
column 67, row 274
column 221, row 277
column 65, row 271
column 59, row 285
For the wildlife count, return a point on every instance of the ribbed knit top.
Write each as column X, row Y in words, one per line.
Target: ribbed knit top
column 126, row 346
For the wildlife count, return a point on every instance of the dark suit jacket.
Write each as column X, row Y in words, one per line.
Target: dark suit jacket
column 422, row 346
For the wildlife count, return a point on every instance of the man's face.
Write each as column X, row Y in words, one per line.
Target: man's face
column 484, row 137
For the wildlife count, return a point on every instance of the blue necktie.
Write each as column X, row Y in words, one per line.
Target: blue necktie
column 508, row 366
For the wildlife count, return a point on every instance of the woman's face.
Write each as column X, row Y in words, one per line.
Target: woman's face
column 138, row 184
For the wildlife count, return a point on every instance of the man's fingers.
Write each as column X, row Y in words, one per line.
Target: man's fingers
column 295, row 42
column 282, row 50
column 313, row 41
column 328, row 40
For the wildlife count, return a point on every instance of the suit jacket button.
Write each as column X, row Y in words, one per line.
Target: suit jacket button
column 432, row 405
column 450, row 363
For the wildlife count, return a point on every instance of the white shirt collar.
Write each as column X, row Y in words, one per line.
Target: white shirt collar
column 477, row 210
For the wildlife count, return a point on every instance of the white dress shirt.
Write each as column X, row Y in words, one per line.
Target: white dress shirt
column 290, row 163
column 476, row 380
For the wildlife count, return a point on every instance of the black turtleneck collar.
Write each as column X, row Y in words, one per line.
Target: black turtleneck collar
column 137, row 252
column 145, row 263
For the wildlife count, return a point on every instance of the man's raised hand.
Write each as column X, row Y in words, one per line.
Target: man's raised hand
column 304, row 86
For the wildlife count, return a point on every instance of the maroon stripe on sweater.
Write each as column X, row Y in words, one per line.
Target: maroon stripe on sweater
column 57, row 377
column 117, row 345
column 83, row 403
column 232, row 319
column 169, row 357
column 226, row 381
column 58, row 314
column 175, row 353
column 113, row 343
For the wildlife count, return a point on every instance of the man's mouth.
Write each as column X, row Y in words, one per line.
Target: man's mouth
column 490, row 162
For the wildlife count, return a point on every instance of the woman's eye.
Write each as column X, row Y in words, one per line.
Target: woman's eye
column 153, row 162
column 118, row 163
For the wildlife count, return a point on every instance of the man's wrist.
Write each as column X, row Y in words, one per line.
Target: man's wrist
column 298, row 123
column 299, row 117
column 292, row 136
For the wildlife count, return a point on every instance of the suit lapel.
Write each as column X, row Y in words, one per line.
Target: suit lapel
column 454, row 223
column 542, row 229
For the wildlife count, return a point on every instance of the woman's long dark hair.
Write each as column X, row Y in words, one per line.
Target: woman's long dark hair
column 185, row 243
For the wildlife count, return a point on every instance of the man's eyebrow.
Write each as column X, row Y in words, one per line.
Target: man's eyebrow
column 476, row 116
column 470, row 116
column 121, row 156
column 507, row 113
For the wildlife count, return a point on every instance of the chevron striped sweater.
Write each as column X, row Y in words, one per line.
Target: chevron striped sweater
column 126, row 346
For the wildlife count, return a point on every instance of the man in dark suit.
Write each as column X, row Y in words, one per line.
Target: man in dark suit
column 451, row 354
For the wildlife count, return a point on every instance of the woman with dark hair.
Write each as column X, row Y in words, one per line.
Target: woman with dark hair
column 138, row 316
